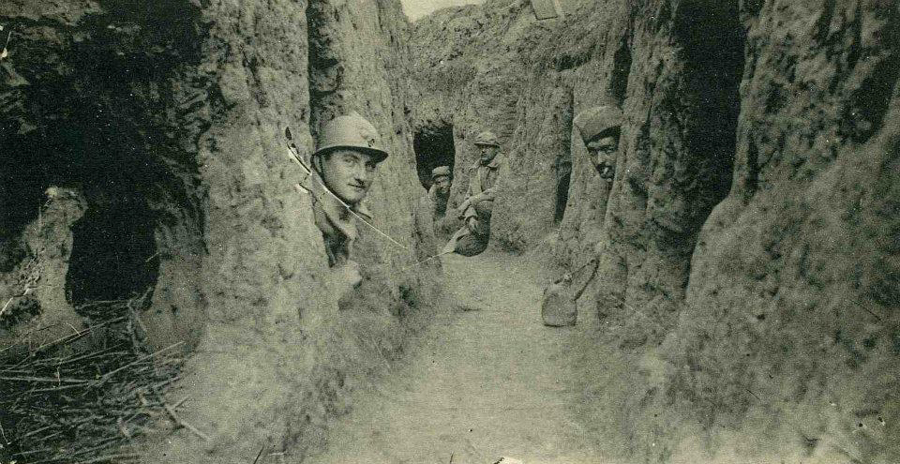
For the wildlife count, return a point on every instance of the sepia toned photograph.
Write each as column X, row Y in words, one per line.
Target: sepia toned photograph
column 449, row 231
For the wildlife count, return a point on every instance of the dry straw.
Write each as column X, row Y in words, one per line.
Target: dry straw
column 85, row 397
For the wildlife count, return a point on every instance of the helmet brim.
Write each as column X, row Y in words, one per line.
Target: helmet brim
column 377, row 154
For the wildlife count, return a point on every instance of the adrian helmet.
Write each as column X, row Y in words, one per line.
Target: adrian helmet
column 487, row 138
column 350, row 131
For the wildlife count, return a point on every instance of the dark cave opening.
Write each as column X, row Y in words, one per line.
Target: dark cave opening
column 113, row 254
column 712, row 41
column 114, row 242
column 434, row 147
column 101, row 128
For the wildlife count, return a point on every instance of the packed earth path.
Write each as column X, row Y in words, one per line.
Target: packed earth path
column 486, row 381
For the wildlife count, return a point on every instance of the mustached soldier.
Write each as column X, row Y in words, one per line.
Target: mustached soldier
column 478, row 206
column 600, row 127
column 347, row 154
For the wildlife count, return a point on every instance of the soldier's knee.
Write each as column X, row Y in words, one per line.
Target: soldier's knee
column 471, row 245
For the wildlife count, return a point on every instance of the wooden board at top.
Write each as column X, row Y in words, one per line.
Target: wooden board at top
column 546, row 9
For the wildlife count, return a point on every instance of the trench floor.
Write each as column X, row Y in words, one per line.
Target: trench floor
column 487, row 380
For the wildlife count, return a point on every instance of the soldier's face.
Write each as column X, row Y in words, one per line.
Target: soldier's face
column 488, row 152
column 348, row 173
column 603, row 154
column 442, row 184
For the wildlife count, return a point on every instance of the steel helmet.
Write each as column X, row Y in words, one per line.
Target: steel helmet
column 597, row 120
column 440, row 171
column 350, row 131
column 487, row 138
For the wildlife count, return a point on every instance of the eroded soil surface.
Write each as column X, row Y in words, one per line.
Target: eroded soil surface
column 486, row 381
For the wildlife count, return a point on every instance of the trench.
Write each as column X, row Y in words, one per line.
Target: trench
column 487, row 380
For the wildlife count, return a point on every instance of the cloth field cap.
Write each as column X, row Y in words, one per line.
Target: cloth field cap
column 597, row 120
column 350, row 131
column 440, row 171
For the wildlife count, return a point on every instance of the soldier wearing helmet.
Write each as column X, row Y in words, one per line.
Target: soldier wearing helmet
column 347, row 153
column 478, row 206
column 599, row 127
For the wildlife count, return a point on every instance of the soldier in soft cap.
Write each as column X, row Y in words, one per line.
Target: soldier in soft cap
column 440, row 190
column 599, row 127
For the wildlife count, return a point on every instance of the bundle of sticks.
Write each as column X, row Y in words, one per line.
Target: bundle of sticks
column 76, row 402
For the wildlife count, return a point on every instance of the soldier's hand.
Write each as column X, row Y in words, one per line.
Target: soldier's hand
column 472, row 223
column 463, row 207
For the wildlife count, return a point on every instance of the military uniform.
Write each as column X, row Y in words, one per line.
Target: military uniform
column 334, row 215
column 439, row 200
column 483, row 183
column 335, row 221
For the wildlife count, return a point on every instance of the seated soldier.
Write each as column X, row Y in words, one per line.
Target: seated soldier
column 599, row 127
column 478, row 206
column 348, row 151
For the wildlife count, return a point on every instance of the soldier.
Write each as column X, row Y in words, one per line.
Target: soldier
column 478, row 206
column 347, row 154
column 599, row 127
column 440, row 190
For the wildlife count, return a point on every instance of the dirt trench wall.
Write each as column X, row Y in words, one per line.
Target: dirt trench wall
column 676, row 152
column 187, row 123
column 272, row 307
column 790, row 328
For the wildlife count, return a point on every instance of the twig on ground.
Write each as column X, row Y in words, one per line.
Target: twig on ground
column 255, row 461
column 181, row 422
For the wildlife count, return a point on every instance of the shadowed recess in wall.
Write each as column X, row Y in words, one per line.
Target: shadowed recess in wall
column 562, row 194
column 712, row 41
column 434, row 147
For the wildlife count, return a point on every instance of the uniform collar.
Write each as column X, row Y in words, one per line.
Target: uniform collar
column 494, row 164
